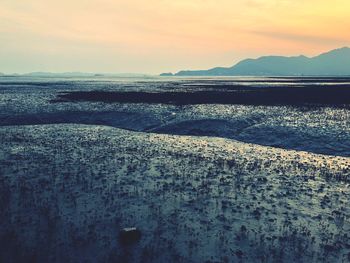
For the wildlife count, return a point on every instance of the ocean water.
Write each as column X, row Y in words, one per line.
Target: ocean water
column 310, row 114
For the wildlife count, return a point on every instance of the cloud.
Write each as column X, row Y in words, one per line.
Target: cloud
column 303, row 38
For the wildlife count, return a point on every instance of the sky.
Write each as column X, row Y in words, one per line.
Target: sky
column 154, row 36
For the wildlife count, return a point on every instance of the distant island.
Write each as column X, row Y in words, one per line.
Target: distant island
column 332, row 63
column 167, row 74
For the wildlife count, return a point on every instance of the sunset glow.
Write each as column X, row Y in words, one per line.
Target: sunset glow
column 161, row 35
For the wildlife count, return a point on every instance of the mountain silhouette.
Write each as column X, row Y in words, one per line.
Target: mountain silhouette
column 332, row 63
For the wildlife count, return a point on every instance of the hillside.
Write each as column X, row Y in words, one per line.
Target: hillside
column 332, row 63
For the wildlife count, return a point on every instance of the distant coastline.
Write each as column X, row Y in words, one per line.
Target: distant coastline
column 333, row 63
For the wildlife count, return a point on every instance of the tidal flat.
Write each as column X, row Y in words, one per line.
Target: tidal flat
column 202, row 182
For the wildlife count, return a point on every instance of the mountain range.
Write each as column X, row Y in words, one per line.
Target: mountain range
column 332, row 63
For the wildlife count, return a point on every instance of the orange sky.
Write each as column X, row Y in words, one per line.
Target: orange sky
column 152, row 36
